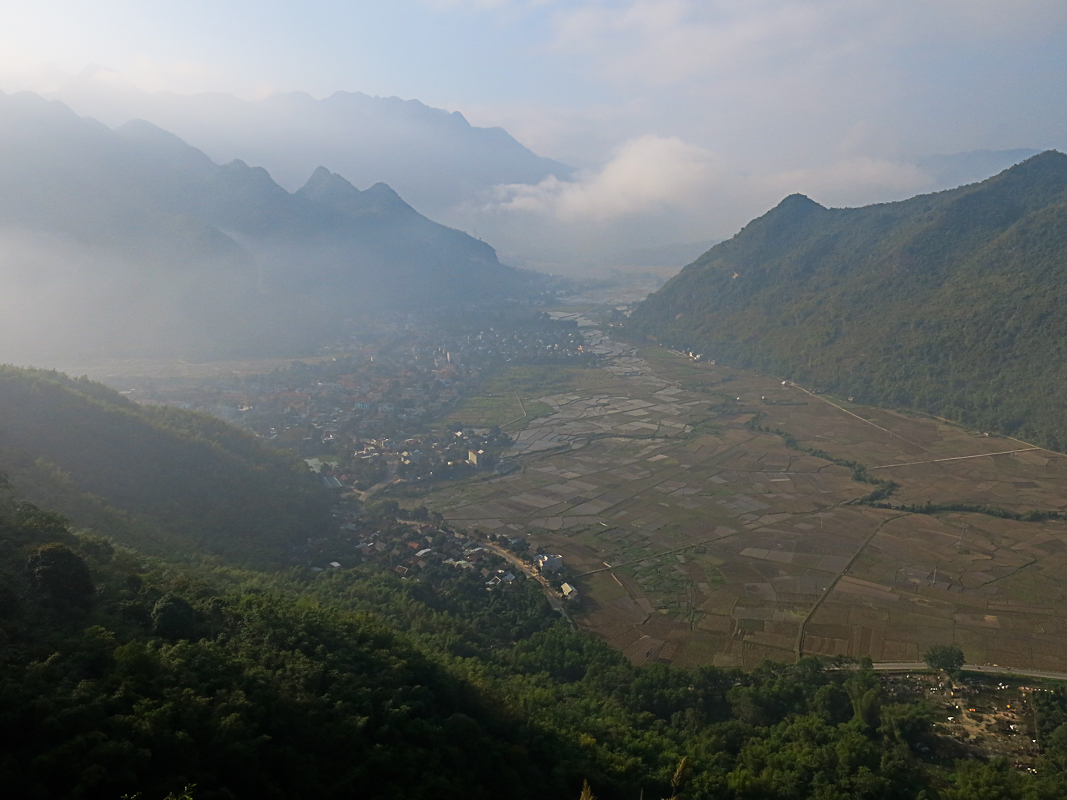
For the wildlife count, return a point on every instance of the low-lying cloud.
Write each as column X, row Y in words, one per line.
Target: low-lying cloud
column 661, row 191
column 653, row 175
column 647, row 174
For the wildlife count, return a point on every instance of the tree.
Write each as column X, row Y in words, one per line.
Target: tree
column 993, row 781
column 944, row 656
column 61, row 572
column 173, row 618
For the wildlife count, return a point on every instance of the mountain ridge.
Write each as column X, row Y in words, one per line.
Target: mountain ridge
column 144, row 219
column 433, row 157
column 162, row 478
column 944, row 302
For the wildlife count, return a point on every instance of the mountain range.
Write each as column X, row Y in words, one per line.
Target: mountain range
column 948, row 302
column 434, row 158
column 468, row 176
column 130, row 241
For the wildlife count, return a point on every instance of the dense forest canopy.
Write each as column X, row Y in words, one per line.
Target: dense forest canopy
column 950, row 303
column 161, row 478
column 123, row 675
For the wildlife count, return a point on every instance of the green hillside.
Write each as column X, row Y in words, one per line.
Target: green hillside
column 950, row 303
column 156, row 676
column 157, row 477
column 122, row 676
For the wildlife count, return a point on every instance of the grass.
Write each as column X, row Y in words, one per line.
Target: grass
column 510, row 412
column 534, row 409
column 532, row 380
column 485, row 412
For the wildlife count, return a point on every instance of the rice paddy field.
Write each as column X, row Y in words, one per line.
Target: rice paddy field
column 695, row 539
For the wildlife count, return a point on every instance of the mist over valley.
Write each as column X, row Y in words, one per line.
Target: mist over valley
column 130, row 242
column 550, row 400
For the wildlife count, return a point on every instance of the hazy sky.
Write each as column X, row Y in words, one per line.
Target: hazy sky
column 666, row 104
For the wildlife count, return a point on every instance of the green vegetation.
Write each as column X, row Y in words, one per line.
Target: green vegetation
column 534, row 380
column 253, row 685
column 242, row 684
column 944, row 656
column 486, row 412
column 507, row 399
column 509, row 412
column 159, row 478
column 949, row 303
column 123, row 674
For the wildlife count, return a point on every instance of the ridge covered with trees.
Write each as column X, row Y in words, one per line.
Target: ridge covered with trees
column 949, row 303
column 158, row 478
column 126, row 675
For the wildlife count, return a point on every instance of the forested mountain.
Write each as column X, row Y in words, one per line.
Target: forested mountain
column 123, row 676
column 163, row 479
column 951, row 170
column 130, row 241
column 167, row 675
column 950, row 302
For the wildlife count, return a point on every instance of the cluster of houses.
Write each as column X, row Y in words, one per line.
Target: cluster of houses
column 410, row 550
column 434, row 454
column 360, row 415
column 392, row 377
column 551, row 564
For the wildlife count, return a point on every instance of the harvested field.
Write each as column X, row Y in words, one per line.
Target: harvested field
column 696, row 538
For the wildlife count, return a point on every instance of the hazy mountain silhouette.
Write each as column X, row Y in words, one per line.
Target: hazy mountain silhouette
column 130, row 240
column 434, row 158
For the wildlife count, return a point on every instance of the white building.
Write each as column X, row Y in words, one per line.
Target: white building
column 549, row 563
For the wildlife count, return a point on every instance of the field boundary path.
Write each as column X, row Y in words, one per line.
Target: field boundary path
column 830, row 589
column 735, row 546
column 957, row 458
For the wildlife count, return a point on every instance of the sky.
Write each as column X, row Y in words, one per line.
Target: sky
column 686, row 117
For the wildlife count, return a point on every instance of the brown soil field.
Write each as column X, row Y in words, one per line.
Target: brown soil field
column 694, row 539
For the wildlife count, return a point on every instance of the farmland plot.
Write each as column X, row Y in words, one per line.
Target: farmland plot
column 710, row 515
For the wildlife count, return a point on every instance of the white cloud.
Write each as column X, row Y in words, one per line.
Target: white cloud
column 646, row 174
column 143, row 73
column 652, row 174
column 482, row 4
column 662, row 42
column 662, row 190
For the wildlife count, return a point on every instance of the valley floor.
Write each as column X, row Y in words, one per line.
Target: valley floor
column 696, row 536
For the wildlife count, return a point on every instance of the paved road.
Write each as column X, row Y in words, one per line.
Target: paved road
column 554, row 599
column 916, row 666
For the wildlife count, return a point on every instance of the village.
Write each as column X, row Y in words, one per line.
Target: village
column 370, row 416
column 419, row 545
column 976, row 715
column 372, row 409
